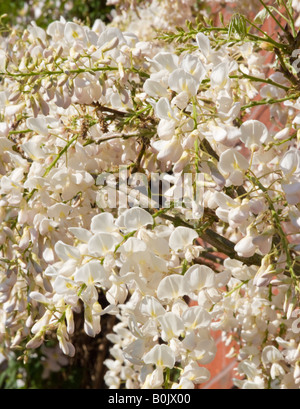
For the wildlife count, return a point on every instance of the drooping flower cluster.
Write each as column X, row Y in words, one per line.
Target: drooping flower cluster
column 132, row 256
column 118, row 151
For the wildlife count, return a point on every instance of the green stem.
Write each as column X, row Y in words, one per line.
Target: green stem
column 292, row 24
column 269, row 102
column 277, row 225
column 167, row 378
column 131, row 234
column 219, row 242
column 285, row 69
column 256, row 79
column 82, row 288
column 272, row 15
column 64, row 150
column 238, row 287
column 20, row 131
column 43, row 73
column 268, row 38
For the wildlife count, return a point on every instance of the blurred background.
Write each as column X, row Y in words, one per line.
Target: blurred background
column 44, row 12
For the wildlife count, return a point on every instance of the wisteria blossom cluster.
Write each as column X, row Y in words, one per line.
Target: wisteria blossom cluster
column 82, row 106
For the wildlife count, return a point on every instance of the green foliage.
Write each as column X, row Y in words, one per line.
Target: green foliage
column 29, row 375
column 87, row 10
column 238, row 26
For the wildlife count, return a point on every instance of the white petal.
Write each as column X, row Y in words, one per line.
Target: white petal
column 103, row 223
column 168, row 150
column 155, row 89
column 193, row 65
column 4, row 130
column 33, row 150
column 196, row 374
column 163, row 109
column 38, row 125
column 219, row 75
column 271, row 355
column 290, row 163
column 81, row 234
column 65, row 252
column 103, row 243
column 196, row 317
column 133, row 245
column 136, row 218
column 181, row 81
column 167, row 60
column 181, row 238
column 203, row 44
column 160, row 355
column 150, row 306
column 91, row 273
column 199, row 277
column 254, row 133
column 64, row 285
column 172, row 326
column 36, row 296
column 245, row 247
column 74, row 32
column 172, row 287
column 110, row 34
column 5, row 144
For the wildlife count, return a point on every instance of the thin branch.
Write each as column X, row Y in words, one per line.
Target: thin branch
column 272, row 15
column 219, row 242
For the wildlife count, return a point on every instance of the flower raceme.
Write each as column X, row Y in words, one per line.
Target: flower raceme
column 84, row 268
column 104, row 132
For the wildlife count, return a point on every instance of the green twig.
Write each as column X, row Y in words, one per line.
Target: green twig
column 272, row 15
column 269, row 101
column 256, row 79
column 64, row 150
column 238, row 287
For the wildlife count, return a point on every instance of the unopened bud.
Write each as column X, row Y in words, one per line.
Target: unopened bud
column 61, row 82
column 35, row 89
column 76, row 56
column 110, row 45
column 59, row 51
column 34, row 107
column 266, row 46
column 47, row 53
column 291, row 308
column 29, row 322
column 17, row 339
column 50, row 59
column 36, row 341
column 44, row 106
column 265, row 273
column 70, row 321
column 14, row 96
column 8, row 231
column 48, row 85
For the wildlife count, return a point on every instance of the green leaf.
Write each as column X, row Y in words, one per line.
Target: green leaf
column 238, row 26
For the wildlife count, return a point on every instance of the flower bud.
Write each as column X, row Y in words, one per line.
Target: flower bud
column 14, row 96
column 36, row 341
column 61, row 82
